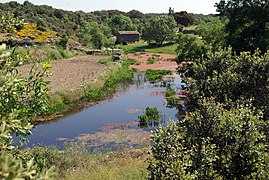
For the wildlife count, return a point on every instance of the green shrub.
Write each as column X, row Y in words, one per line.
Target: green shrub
column 54, row 55
column 150, row 61
column 169, row 91
column 155, row 75
column 129, row 62
column 212, row 143
column 150, row 118
column 21, row 100
column 63, row 42
column 105, row 61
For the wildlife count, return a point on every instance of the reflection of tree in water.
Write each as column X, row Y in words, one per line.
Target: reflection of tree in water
column 151, row 116
column 150, row 123
column 124, row 85
column 139, row 79
column 181, row 112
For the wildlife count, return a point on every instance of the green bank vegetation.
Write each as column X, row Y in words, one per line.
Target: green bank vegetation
column 103, row 86
column 76, row 162
column 112, row 79
column 156, row 75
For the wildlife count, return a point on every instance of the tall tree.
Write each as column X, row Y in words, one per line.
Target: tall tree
column 159, row 29
column 183, row 18
column 248, row 26
column 213, row 34
column 120, row 23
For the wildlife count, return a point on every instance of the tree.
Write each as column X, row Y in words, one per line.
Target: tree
column 213, row 34
column 230, row 78
column 183, row 18
column 120, row 23
column 98, row 39
column 189, row 49
column 248, row 24
column 95, row 35
column 135, row 14
column 212, row 143
column 159, row 29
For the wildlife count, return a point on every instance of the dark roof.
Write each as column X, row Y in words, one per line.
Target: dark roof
column 128, row 32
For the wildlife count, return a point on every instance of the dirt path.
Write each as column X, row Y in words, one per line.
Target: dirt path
column 161, row 61
column 70, row 73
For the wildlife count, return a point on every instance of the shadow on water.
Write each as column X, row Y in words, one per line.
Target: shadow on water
column 111, row 124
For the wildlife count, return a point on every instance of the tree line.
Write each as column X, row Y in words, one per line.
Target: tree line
column 94, row 29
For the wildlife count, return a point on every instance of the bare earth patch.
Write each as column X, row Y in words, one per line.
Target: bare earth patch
column 162, row 61
column 70, row 73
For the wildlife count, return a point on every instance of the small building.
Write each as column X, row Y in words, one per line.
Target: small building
column 125, row 37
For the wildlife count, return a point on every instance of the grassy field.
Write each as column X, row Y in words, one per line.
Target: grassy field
column 144, row 47
column 74, row 162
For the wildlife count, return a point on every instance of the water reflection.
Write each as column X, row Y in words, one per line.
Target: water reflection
column 112, row 123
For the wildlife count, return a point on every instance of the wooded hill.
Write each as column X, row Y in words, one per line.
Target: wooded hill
column 68, row 22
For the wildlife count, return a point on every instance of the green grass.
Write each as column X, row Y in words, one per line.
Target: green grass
column 110, row 83
column 75, row 162
column 155, row 75
column 190, row 27
column 150, row 61
column 144, row 47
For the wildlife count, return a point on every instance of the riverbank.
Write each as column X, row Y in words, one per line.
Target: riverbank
column 85, row 81
column 101, row 86
column 109, row 129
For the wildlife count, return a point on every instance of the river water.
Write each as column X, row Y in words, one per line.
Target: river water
column 112, row 123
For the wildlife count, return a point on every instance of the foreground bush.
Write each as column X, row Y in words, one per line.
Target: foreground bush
column 212, row 143
column 227, row 76
column 21, row 99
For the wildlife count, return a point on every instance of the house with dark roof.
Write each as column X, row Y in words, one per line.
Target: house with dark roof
column 125, row 37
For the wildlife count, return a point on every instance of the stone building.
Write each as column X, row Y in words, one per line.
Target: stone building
column 126, row 37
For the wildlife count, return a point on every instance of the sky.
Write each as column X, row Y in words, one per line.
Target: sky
column 145, row 6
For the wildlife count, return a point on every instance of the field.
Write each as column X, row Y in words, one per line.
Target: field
column 144, row 47
column 153, row 61
column 70, row 73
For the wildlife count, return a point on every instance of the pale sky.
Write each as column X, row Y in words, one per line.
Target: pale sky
column 145, row 6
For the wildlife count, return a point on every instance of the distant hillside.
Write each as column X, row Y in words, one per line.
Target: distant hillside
column 62, row 21
column 92, row 29
column 68, row 22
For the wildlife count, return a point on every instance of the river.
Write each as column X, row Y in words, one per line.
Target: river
column 112, row 123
